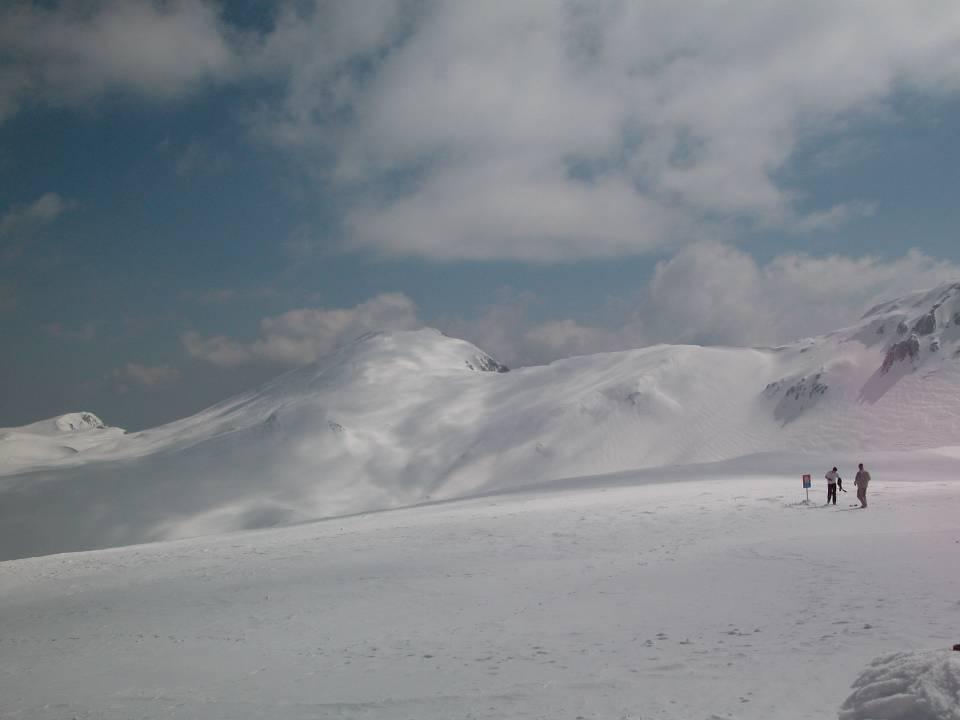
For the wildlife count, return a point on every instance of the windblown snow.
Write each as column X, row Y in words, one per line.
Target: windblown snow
column 397, row 419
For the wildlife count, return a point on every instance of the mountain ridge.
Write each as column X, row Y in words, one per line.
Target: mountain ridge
column 395, row 419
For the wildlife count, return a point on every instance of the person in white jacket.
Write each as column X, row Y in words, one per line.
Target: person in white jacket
column 832, row 478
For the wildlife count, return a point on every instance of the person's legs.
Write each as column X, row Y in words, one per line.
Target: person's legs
column 831, row 493
column 862, row 496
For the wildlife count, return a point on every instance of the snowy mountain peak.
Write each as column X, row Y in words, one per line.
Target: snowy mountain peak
column 925, row 300
column 55, row 440
column 398, row 418
column 925, row 313
column 424, row 350
column 69, row 423
column 79, row 421
column 921, row 329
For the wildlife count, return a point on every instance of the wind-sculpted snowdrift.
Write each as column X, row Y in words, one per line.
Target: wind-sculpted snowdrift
column 907, row 686
column 400, row 418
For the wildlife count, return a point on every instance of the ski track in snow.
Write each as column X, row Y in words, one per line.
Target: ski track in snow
column 707, row 598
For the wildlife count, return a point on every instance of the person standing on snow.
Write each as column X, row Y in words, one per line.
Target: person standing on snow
column 832, row 478
column 860, row 483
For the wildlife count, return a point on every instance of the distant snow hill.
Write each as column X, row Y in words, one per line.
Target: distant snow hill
column 401, row 418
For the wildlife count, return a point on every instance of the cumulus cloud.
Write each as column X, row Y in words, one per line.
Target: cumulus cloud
column 72, row 52
column 134, row 376
column 507, row 330
column 21, row 223
column 302, row 336
column 219, row 350
column 555, row 131
column 42, row 211
column 710, row 294
column 835, row 216
column 146, row 375
column 715, row 294
column 198, row 159
column 535, row 130
column 706, row 294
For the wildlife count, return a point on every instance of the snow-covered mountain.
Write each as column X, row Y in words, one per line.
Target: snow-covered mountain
column 50, row 440
column 401, row 418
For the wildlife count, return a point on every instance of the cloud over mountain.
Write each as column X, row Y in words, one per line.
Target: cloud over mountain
column 301, row 336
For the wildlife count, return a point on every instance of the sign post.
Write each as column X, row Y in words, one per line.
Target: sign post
column 806, row 486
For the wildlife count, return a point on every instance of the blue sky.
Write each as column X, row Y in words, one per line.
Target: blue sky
column 199, row 195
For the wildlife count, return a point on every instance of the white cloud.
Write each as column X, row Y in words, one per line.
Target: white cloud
column 711, row 294
column 132, row 375
column 73, row 52
column 198, row 159
column 532, row 130
column 835, row 216
column 485, row 212
column 20, row 225
column 219, row 350
column 550, row 131
column 707, row 294
column 146, row 375
column 507, row 331
column 302, row 336
column 42, row 211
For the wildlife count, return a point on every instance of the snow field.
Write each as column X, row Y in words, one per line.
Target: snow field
column 714, row 594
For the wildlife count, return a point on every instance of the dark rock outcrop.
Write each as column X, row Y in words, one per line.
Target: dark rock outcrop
column 909, row 348
column 485, row 363
column 926, row 325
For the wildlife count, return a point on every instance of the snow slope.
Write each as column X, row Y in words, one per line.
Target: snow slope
column 403, row 418
column 53, row 440
column 697, row 593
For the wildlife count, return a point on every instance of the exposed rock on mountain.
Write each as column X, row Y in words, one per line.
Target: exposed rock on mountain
column 903, row 350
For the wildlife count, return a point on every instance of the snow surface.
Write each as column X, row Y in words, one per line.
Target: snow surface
column 49, row 441
column 699, row 593
column 907, row 686
column 613, row 536
column 398, row 419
